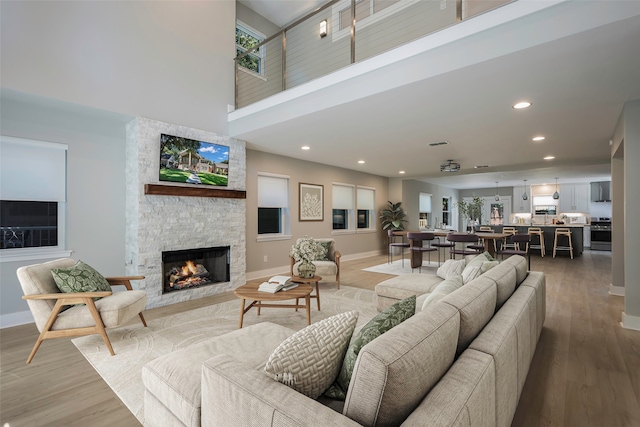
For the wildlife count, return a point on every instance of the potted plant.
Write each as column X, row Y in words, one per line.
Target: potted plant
column 471, row 211
column 393, row 216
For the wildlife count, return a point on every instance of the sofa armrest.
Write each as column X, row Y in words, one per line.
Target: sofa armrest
column 236, row 394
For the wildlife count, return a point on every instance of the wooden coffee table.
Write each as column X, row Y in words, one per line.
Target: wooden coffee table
column 250, row 292
column 314, row 280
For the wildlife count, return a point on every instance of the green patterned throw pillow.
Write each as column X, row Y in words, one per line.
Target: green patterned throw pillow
column 325, row 254
column 80, row 278
column 387, row 319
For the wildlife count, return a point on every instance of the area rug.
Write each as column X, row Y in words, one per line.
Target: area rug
column 136, row 345
column 397, row 268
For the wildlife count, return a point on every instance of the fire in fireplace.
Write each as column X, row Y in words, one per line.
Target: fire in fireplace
column 195, row 267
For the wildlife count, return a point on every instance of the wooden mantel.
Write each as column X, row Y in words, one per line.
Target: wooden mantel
column 178, row 190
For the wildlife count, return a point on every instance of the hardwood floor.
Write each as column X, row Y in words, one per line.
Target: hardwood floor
column 585, row 372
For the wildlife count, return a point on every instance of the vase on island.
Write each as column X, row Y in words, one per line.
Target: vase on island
column 306, row 270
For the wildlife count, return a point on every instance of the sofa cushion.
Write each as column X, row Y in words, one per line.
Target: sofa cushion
column 451, row 267
column 520, row 264
column 392, row 316
column 406, row 285
column 174, row 379
column 476, row 302
column 505, row 278
column 465, row 397
column 510, row 339
column 394, row 372
column 323, row 268
column 443, row 289
column 309, row 360
column 80, row 277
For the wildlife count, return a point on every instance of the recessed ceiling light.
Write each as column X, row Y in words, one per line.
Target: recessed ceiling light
column 306, row 147
column 538, row 138
column 550, row 157
column 361, row 161
column 523, row 104
column 401, row 172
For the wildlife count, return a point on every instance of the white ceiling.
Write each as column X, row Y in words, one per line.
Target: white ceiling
column 576, row 63
column 282, row 12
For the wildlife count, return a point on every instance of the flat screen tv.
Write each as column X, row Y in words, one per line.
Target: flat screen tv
column 193, row 162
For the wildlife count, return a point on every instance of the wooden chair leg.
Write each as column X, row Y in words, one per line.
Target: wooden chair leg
column 142, row 318
column 99, row 325
column 45, row 330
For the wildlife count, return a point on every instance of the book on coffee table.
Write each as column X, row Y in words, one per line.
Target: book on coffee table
column 277, row 283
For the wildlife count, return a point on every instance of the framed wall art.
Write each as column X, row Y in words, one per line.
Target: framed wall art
column 311, row 202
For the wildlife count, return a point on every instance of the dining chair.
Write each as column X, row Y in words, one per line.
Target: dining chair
column 392, row 236
column 517, row 240
column 462, row 239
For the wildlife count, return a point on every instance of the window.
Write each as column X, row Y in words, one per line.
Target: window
column 343, row 207
column 247, row 38
column 273, row 207
column 33, row 205
column 366, row 202
column 425, row 210
column 367, row 12
column 445, row 211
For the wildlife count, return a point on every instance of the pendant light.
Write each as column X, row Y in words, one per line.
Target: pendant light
column 497, row 195
column 556, row 195
column 525, row 196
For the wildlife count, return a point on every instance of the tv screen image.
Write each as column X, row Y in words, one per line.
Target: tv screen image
column 193, row 162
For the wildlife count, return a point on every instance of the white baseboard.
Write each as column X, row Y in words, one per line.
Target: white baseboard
column 15, row 319
column 285, row 269
column 630, row 322
column 616, row 290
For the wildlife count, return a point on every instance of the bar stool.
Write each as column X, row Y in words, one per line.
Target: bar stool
column 517, row 239
column 505, row 240
column 566, row 233
column 391, row 234
column 487, row 229
column 537, row 231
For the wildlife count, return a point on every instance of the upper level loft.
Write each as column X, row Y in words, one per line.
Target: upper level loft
column 336, row 35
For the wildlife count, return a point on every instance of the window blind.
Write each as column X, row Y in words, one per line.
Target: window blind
column 425, row 203
column 342, row 197
column 273, row 192
column 32, row 170
column 366, row 198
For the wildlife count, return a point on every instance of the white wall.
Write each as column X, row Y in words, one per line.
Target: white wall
column 167, row 60
column 95, row 183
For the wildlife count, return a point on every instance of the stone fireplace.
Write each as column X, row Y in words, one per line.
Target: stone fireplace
column 190, row 268
column 158, row 223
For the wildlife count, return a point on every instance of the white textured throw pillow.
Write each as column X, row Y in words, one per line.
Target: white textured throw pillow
column 310, row 360
column 451, row 268
column 475, row 269
column 443, row 289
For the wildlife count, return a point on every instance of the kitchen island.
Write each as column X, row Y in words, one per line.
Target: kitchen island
column 577, row 237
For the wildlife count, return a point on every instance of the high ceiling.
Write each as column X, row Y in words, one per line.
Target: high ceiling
column 578, row 73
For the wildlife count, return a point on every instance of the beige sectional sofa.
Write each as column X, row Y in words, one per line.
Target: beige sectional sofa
column 462, row 361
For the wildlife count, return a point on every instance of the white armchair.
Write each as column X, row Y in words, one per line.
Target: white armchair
column 328, row 267
column 85, row 316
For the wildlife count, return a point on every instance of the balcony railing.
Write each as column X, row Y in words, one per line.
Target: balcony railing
column 355, row 30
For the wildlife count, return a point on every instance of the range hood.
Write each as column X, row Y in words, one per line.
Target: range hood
column 601, row 191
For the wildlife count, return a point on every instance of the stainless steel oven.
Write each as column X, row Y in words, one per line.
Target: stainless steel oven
column 600, row 234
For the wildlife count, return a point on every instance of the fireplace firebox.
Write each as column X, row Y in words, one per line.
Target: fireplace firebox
column 190, row 268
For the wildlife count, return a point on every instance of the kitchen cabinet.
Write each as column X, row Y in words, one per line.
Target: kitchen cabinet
column 601, row 191
column 574, row 198
column 587, row 236
column 519, row 205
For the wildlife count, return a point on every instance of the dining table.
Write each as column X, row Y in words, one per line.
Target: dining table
column 487, row 238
